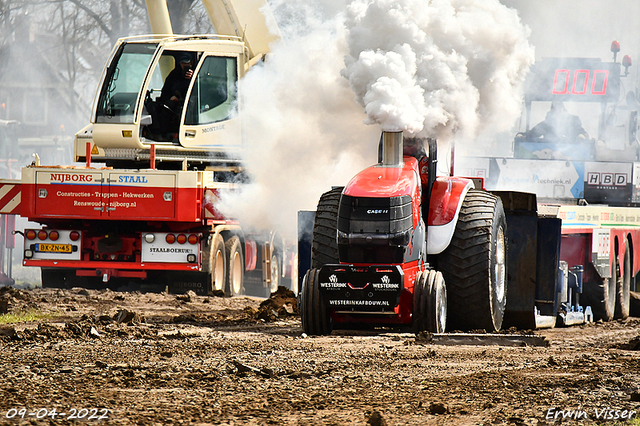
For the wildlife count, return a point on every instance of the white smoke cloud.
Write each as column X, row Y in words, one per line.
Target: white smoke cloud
column 438, row 68
column 304, row 132
column 459, row 64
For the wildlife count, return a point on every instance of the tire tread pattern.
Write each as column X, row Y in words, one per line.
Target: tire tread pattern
column 315, row 315
column 324, row 248
column 465, row 264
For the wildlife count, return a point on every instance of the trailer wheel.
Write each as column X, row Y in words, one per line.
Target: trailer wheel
column 53, row 278
column 599, row 293
column 274, row 264
column 315, row 315
column 474, row 265
column 214, row 264
column 623, row 286
column 235, row 262
column 324, row 248
column 430, row 303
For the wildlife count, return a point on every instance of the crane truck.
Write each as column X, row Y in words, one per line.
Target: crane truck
column 144, row 205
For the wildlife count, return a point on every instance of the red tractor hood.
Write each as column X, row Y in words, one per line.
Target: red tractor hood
column 384, row 181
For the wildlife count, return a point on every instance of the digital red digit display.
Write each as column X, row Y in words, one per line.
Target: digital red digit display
column 576, row 82
column 600, row 79
column 574, row 79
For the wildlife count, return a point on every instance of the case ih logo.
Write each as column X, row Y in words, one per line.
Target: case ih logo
column 608, row 179
column 70, row 177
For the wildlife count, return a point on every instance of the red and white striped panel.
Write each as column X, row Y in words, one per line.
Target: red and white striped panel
column 10, row 197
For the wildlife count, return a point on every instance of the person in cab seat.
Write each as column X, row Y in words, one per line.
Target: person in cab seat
column 414, row 147
column 558, row 126
column 173, row 95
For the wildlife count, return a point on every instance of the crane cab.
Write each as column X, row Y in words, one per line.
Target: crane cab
column 145, row 99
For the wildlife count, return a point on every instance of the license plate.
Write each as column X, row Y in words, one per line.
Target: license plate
column 53, row 248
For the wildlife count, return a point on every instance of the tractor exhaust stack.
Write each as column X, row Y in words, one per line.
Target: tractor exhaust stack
column 392, row 149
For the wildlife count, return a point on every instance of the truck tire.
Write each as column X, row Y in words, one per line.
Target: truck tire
column 429, row 303
column 53, row 278
column 214, row 264
column 314, row 313
column 623, row 286
column 235, row 267
column 274, row 264
column 599, row 293
column 324, row 247
column 474, row 265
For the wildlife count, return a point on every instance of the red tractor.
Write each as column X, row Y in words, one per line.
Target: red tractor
column 399, row 246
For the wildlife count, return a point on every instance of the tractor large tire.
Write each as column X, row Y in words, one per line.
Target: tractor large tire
column 235, row 267
column 623, row 286
column 474, row 265
column 599, row 293
column 324, row 248
column 429, row 303
column 313, row 311
column 214, row 265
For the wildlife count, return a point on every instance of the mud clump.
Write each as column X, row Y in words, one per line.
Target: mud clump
column 281, row 304
column 128, row 317
column 11, row 298
column 633, row 345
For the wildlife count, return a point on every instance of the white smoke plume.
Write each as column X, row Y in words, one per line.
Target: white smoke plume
column 437, row 68
column 344, row 70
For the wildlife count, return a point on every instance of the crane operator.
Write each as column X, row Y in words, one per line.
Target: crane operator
column 173, row 94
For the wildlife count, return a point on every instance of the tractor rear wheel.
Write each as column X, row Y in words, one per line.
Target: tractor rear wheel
column 314, row 313
column 430, row 303
column 324, row 248
column 623, row 286
column 474, row 265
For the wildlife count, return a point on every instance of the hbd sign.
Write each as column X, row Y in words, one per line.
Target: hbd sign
column 607, row 179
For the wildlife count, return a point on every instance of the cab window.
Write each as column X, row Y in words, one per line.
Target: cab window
column 125, row 75
column 214, row 93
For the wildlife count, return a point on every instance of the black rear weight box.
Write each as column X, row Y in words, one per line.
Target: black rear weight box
column 367, row 289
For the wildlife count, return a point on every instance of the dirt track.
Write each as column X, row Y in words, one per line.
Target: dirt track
column 167, row 359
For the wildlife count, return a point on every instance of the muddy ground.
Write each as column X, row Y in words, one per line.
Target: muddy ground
column 135, row 358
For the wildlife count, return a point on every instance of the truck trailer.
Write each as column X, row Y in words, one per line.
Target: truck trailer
column 158, row 158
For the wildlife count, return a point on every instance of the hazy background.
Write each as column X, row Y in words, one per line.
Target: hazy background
column 343, row 71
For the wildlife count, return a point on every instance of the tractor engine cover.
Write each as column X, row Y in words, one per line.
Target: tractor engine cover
column 374, row 230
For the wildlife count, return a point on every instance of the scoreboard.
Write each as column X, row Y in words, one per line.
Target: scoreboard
column 574, row 80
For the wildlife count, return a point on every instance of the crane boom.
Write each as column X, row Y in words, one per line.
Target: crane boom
column 159, row 17
column 251, row 20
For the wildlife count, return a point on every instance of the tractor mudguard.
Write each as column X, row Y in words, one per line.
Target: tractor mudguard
column 447, row 196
